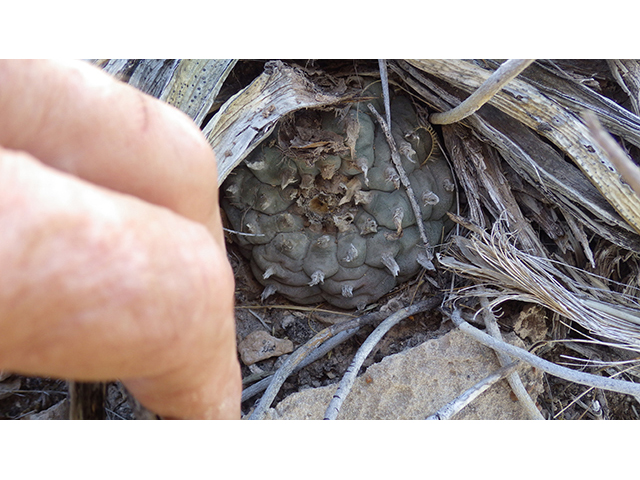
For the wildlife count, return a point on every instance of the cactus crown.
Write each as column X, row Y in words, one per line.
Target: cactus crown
column 329, row 219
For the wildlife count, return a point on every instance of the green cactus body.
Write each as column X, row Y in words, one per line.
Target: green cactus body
column 328, row 218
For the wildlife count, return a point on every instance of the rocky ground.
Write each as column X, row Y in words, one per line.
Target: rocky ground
column 418, row 367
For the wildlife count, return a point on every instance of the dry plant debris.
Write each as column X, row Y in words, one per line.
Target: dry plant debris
column 453, row 407
column 543, row 217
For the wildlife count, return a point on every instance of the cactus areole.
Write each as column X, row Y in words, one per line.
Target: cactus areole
column 327, row 217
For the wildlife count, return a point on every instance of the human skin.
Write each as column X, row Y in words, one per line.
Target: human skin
column 112, row 258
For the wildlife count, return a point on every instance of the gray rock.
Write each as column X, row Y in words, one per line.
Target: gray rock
column 417, row 382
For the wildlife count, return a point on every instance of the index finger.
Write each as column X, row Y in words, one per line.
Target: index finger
column 78, row 119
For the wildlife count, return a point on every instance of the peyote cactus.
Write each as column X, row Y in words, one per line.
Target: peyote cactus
column 327, row 217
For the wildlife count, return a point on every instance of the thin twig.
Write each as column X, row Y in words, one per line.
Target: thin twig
column 504, row 74
column 514, row 379
column 453, row 407
column 260, row 319
column 350, row 375
column 295, row 358
column 114, row 414
column 46, row 392
column 384, row 78
column 235, row 232
column 402, row 174
column 319, row 352
column 597, row 381
column 628, row 170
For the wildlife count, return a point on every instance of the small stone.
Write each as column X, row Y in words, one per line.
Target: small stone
column 393, row 305
column 259, row 345
column 287, row 321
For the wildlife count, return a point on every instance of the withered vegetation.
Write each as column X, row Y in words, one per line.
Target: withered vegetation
column 547, row 230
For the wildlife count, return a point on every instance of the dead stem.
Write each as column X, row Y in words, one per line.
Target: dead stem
column 453, row 407
column 86, row 400
column 628, row 170
column 350, row 375
column 299, row 355
column 513, row 378
column 493, row 260
column 403, row 176
column 504, row 74
column 384, row 78
column 316, row 354
column 582, row 378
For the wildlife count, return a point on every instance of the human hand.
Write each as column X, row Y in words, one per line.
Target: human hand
column 112, row 258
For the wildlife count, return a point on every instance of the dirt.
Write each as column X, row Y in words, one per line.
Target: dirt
column 561, row 400
column 25, row 397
